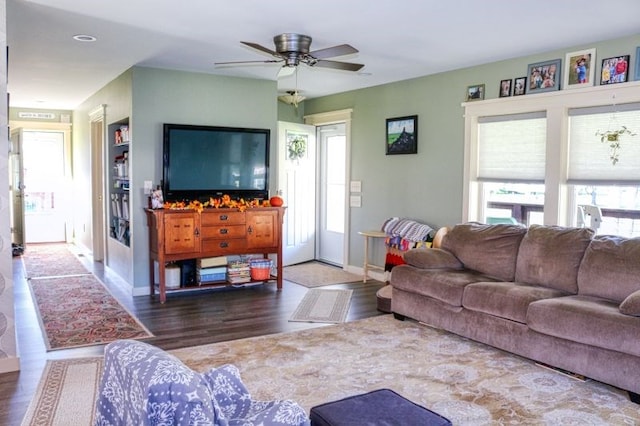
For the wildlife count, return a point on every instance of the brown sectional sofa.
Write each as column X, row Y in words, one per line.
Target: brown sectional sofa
column 556, row 295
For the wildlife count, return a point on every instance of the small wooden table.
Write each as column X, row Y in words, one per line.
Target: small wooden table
column 367, row 265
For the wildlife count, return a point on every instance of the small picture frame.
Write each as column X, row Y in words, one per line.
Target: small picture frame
column 544, row 76
column 579, row 69
column 475, row 92
column 615, row 70
column 505, row 88
column 402, row 135
column 519, row 86
column 637, row 68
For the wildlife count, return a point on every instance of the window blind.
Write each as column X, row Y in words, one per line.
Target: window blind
column 512, row 147
column 589, row 158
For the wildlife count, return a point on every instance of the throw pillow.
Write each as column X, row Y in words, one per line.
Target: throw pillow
column 631, row 305
column 432, row 259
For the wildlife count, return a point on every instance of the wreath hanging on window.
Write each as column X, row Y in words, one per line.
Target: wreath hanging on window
column 297, row 148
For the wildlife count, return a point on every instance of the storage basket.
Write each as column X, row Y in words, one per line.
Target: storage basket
column 260, row 269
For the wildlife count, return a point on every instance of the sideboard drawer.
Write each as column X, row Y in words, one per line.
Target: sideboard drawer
column 221, row 217
column 224, row 246
column 224, row 232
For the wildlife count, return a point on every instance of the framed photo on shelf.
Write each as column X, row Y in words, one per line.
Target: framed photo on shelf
column 544, row 76
column 579, row 68
column 475, row 92
column 402, row 135
column 637, row 68
column 615, row 70
column 519, row 85
column 505, row 88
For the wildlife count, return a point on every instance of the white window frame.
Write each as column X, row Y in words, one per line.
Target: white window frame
column 559, row 205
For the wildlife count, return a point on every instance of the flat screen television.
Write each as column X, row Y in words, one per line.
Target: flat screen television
column 209, row 161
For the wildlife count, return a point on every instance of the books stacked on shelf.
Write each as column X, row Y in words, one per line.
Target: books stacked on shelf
column 210, row 262
column 238, row 272
column 212, row 274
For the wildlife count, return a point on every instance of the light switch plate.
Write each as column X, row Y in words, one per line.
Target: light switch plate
column 148, row 187
column 355, row 201
column 355, row 186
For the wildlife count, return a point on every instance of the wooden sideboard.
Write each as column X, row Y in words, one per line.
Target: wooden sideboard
column 186, row 234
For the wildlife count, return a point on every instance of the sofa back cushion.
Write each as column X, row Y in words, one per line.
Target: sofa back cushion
column 488, row 249
column 610, row 268
column 550, row 256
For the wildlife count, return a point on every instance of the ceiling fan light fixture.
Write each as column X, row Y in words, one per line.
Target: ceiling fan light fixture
column 292, row 97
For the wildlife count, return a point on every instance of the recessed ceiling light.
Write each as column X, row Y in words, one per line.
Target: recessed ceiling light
column 84, row 37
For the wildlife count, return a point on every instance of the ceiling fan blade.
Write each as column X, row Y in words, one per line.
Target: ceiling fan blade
column 272, row 61
column 286, row 71
column 331, row 52
column 346, row 66
column 260, row 48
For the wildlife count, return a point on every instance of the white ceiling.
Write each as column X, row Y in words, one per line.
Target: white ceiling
column 397, row 39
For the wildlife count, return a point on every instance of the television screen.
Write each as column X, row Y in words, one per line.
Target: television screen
column 208, row 161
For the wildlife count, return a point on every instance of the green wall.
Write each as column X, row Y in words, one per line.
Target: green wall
column 426, row 186
column 163, row 96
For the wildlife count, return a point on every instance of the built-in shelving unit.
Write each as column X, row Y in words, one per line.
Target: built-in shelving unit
column 119, row 174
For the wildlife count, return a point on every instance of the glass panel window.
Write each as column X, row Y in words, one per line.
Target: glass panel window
column 616, row 209
column 513, row 202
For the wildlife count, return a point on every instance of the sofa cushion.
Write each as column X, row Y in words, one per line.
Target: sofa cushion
column 488, row 249
column 631, row 305
column 550, row 256
column 446, row 285
column 505, row 299
column 432, row 258
column 610, row 268
column 588, row 320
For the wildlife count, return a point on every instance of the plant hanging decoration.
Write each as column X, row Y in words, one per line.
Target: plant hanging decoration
column 297, row 147
column 612, row 137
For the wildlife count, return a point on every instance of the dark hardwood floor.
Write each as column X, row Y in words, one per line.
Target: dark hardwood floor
column 186, row 319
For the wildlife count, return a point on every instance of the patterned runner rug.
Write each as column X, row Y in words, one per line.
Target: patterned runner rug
column 323, row 305
column 79, row 310
column 317, row 274
column 51, row 260
column 467, row 382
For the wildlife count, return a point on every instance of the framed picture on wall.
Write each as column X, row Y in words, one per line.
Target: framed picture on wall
column 475, row 93
column 505, row 88
column 519, row 85
column 402, row 135
column 615, row 70
column 544, row 76
column 579, row 68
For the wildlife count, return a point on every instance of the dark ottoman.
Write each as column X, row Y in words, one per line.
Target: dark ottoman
column 380, row 407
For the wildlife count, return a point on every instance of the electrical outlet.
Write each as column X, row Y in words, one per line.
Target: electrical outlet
column 148, row 187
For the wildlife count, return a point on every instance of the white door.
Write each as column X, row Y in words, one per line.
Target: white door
column 16, row 189
column 45, row 186
column 297, row 181
column 333, row 153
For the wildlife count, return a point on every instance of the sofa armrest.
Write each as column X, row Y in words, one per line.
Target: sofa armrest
column 434, row 258
column 631, row 305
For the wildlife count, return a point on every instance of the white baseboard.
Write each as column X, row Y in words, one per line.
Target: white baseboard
column 377, row 275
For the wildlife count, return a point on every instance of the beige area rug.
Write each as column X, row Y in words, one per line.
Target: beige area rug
column 467, row 382
column 66, row 394
column 51, row 260
column 318, row 274
column 323, row 305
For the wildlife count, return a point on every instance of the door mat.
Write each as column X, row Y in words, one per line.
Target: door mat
column 317, row 274
column 323, row 305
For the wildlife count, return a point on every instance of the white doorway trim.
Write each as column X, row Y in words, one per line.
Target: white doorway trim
column 98, row 129
column 332, row 117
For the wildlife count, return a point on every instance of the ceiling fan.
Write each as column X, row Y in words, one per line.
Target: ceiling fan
column 292, row 49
